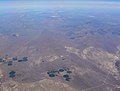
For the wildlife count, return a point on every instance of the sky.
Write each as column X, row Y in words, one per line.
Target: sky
column 63, row 0
column 30, row 4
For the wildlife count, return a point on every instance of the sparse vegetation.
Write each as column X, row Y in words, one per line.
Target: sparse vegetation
column 61, row 70
column 64, row 71
column 69, row 72
column 12, row 74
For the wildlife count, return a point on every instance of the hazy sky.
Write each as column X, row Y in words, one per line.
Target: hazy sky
column 59, row 0
column 29, row 4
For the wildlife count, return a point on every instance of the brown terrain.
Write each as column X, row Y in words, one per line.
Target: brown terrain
column 89, row 45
